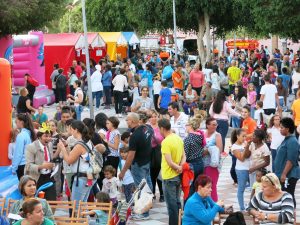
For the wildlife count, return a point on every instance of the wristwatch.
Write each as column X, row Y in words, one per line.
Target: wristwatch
column 266, row 216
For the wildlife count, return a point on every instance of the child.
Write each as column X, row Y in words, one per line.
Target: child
column 164, row 98
column 57, row 115
column 257, row 185
column 12, row 144
column 113, row 138
column 156, row 90
column 128, row 182
column 135, row 91
column 245, row 79
column 125, row 139
column 242, row 153
column 110, row 183
column 251, row 98
column 101, row 216
column 41, row 117
column 259, row 114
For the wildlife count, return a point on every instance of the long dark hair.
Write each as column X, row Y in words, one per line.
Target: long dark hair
column 241, row 93
column 90, row 124
column 100, row 120
column 235, row 133
column 27, row 124
column 82, row 129
column 219, row 101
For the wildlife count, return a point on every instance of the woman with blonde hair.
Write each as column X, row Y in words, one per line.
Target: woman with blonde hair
column 194, row 145
column 272, row 205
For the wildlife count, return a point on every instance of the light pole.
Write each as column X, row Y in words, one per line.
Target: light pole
column 175, row 30
column 87, row 58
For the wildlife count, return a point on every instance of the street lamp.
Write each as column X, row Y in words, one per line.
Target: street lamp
column 87, row 58
column 175, row 29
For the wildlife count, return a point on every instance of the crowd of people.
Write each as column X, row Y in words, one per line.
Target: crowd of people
column 178, row 118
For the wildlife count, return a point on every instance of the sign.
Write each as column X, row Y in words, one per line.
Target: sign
column 243, row 44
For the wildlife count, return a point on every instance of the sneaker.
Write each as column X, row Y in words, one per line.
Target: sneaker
column 140, row 217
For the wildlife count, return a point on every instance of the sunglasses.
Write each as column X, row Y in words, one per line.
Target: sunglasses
column 270, row 180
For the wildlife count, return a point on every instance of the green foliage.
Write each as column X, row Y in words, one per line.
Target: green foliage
column 18, row 16
column 274, row 17
column 108, row 15
column 75, row 16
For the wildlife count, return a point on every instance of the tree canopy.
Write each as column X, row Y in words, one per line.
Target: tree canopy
column 21, row 16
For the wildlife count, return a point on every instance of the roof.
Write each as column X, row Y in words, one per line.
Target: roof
column 94, row 40
column 131, row 38
column 63, row 39
column 114, row 37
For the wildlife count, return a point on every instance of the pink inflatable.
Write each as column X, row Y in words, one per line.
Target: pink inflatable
column 28, row 57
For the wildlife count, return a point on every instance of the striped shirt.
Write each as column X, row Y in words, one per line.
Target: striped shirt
column 283, row 207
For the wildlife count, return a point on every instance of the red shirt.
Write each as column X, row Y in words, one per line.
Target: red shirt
column 78, row 71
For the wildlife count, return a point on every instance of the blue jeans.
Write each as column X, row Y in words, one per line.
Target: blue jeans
column 107, row 93
column 78, row 110
column 98, row 96
column 236, row 122
column 242, row 177
column 223, row 130
column 274, row 153
column 81, row 192
column 252, row 112
column 139, row 173
column 198, row 167
column 172, row 192
column 150, row 92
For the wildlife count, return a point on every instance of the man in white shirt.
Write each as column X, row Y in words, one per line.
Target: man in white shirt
column 269, row 96
column 178, row 119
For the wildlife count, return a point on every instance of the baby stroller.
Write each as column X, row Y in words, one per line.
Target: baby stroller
column 123, row 211
column 126, row 102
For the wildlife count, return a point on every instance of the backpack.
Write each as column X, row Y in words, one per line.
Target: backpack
column 236, row 218
column 95, row 159
column 61, row 81
column 32, row 81
column 255, row 79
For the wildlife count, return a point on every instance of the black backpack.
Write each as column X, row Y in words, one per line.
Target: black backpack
column 61, row 82
column 236, row 218
column 255, row 79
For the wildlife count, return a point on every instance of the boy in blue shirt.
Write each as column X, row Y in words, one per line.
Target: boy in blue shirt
column 164, row 98
column 285, row 78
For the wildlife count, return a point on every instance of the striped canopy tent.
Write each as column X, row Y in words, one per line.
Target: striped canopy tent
column 116, row 44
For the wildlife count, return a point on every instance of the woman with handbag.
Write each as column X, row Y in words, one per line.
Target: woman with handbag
column 156, row 154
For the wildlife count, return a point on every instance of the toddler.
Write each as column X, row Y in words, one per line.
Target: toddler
column 128, row 182
column 125, row 139
column 110, row 183
column 101, row 216
column 259, row 114
column 135, row 91
column 257, row 184
column 57, row 115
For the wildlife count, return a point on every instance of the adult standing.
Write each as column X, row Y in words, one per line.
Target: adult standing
column 249, row 124
column 197, row 78
column 178, row 79
column 224, row 83
column 215, row 80
column 155, row 165
column 77, row 67
column 61, row 82
column 77, row 160
column 173, row 157
column 24, row 138
column 295, row 80
column 269, row 96
column 39, row 161
column 72, row 78
column 52, row 77
column 238, row 102
column 296, row 111
column 286, row 162
column 142, row 102
column 77, row 99
column 61, row 125
column 178, row 120
column 147, row 75
column 221, row 110
column 29, row 86
column 275, row 137
column 106, row 82
column 194, row 147
column 215, row 146
column 234, row 75
column 97, row 87
column 139, row 155
column 119, row 82
column 24, row 102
